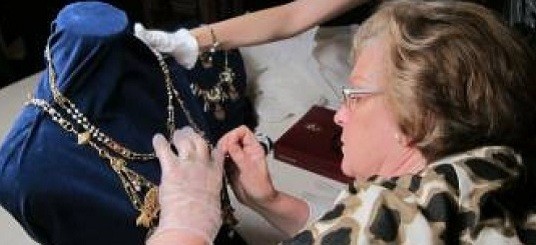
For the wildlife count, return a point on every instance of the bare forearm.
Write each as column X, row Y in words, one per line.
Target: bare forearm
column 286, row 213
column 272, row 24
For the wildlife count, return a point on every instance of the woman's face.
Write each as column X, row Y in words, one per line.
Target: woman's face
column 372, row 141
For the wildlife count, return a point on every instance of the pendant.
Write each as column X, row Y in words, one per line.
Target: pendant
column 214, row 95
column 227, row 75
column 150, row 209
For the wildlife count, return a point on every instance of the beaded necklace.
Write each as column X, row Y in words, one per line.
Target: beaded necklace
column 142, row 193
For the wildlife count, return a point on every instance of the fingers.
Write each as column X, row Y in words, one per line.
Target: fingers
column 238, row 156
column 143, row 34
column 233, row 137
column 231, row 143
column 218, row 157
column 200, row 145
column 138, row 28
column 240, row 143
column 190, row 144
column 159, row 40
column 183, row 144
column 163, row 152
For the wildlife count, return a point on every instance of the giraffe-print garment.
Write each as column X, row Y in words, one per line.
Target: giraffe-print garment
column 478, row 197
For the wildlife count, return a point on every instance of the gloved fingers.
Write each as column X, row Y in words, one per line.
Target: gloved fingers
column 218, row 158
column 184, row 145
column 160, row 40
column 138, row 28
column 181, row 44
column 142, row 34
column 201, row 147
column 163, row 152
column 188, row 52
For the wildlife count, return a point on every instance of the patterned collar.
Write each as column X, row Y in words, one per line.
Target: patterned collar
column 490, row 164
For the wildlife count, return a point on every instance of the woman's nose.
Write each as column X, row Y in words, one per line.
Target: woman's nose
column 340, row 115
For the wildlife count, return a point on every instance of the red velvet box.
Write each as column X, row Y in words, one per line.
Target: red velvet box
column 313, row 144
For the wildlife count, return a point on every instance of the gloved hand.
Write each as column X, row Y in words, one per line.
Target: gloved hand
column 190, row 187
column 179, row 44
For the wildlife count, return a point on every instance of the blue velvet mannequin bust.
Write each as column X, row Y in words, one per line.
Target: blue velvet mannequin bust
column 62, row 192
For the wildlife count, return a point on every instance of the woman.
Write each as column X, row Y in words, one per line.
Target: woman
column 436, row 121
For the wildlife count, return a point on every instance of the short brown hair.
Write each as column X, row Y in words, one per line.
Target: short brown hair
column 459, row 77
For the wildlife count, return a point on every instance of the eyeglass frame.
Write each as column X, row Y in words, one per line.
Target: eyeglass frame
column 350, row 94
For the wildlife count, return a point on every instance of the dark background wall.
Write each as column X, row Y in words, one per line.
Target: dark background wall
column 23, row 35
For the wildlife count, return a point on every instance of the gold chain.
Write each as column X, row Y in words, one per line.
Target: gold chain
column 92, row 132
column 134, row 184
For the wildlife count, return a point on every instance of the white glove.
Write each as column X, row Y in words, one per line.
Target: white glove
column 190, row 187
column 179, row 44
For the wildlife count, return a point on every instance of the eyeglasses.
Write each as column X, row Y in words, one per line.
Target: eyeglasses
column 351, row 96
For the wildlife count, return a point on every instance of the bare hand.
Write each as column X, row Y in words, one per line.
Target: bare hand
column 249, row 176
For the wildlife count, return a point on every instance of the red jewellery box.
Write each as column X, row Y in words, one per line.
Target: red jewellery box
column 313, row 144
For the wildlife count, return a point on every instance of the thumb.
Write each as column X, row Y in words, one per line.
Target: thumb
column 163, row 152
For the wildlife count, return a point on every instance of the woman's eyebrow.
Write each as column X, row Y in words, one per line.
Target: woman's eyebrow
column 359, row 77
column 364, row 82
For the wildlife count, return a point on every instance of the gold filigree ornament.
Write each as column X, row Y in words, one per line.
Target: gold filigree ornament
column 142, row 193
column 150, row 208
column 214, row 97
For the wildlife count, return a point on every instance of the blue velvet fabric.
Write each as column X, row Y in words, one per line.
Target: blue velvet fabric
column 64, row 193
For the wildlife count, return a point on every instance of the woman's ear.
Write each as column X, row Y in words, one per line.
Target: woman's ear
column 404, row 140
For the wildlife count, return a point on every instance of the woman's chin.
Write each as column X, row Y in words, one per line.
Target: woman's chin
column 346, row 170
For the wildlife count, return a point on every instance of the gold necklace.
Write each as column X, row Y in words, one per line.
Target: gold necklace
column 89, row 131
column 135, row 185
